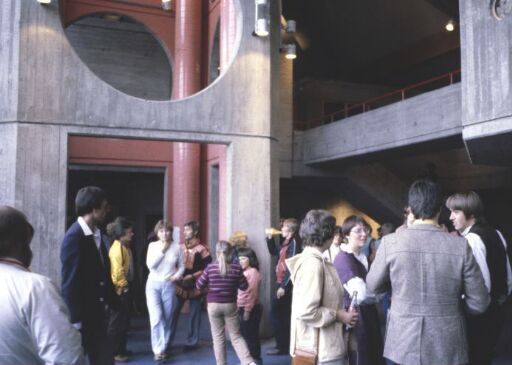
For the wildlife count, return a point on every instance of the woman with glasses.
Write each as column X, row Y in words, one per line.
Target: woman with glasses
column 352, row 267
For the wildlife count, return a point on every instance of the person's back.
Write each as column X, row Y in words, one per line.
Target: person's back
column 430, row 271
column 30, row 303
column 35, row 326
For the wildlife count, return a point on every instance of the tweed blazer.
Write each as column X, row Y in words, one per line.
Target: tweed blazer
column 429, row 272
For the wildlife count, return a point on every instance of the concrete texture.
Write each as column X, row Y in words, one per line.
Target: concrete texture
column 486, row 84
column 60, row 96
column 430, row 116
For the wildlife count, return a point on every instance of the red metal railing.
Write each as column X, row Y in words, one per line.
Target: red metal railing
column 382, row 100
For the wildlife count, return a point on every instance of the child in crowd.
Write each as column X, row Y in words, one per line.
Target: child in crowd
column 249, row 307
column 223, row 280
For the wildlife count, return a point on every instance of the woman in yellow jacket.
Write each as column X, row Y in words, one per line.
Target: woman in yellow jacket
column 122, row 270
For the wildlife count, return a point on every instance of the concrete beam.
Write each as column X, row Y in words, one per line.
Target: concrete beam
column 430, row 116
column 9, row 59
column 487, row 84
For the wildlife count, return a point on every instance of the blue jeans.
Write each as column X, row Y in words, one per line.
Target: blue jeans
column 194, row 321
column 160, row 296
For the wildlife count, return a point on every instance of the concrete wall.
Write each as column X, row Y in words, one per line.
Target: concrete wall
column 125, row 55
column 60, row 96
column 430, row 116
column 8, row 137
column 9, row 58
column 486, row 83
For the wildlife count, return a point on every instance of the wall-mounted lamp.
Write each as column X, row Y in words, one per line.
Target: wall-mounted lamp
column 44, row 2
column 290, row 51
column 261, row 24
column 450, row 26
column 167, row 5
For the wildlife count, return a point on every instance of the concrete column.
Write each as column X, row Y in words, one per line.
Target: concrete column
column 227, row 33
column 187, row 81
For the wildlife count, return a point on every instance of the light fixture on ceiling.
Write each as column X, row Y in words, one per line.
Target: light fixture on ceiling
column 167, row 5
column 261, row 26
column 290, row 51
column 44, row 2
column 450, row 26
column 291, row 26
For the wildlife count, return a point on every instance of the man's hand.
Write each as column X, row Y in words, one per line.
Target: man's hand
column 188, row 279
column 349, row 318
column 280, row 293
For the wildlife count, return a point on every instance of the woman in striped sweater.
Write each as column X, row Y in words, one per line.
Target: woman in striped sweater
column 223, row 280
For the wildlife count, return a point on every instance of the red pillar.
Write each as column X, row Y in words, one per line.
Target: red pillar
column 186, row 81
column 227, row 33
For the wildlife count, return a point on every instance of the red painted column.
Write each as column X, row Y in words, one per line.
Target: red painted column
column 186, row 81
column 227, row 33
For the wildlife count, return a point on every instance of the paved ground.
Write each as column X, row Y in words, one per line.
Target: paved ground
column 139, row 343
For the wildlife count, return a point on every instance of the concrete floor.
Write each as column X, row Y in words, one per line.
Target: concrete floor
column 139, row 343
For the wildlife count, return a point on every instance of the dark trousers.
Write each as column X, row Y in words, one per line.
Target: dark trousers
column 97, row 343
column 250, row 330
column 280, row 314
column 484, row 331
column 119, row 324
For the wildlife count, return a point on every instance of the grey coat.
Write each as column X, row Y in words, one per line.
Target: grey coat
column 429, row 271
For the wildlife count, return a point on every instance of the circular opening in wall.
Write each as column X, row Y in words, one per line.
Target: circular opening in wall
column 133, row 47
column 124, row 53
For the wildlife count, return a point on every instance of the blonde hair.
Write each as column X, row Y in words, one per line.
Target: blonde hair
column 223, row 251
column 238, row 239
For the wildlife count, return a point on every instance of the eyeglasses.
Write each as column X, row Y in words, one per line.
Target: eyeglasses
column 360, row 231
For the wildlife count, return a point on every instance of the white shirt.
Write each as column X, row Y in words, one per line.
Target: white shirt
column 163, row 266
column 35, row 326
column 331, row 253
column 480, row 253
column 509, row 269
column 364, row 295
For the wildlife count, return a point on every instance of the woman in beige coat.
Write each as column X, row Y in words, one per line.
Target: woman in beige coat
column 318, row 316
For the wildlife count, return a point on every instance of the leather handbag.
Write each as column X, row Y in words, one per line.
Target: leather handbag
column 301, row 357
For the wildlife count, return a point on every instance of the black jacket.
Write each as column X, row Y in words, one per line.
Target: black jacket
column 294, row 248
column 86, row 281
column 496, row 257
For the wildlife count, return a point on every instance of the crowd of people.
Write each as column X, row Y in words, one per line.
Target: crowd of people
column 443, row 294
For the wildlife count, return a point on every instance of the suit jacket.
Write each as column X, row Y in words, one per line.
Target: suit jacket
column 429, row 271
column 86, row 282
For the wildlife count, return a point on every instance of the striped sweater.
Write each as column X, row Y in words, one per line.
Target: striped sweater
column 222, row 289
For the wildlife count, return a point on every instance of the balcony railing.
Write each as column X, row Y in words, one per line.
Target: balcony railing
column 382, row 100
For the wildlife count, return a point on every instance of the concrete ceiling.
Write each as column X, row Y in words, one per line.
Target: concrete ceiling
column 350, row 38
column 453, row 169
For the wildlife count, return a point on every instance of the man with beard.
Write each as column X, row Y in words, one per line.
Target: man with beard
column 35, row 322
column 86, row 281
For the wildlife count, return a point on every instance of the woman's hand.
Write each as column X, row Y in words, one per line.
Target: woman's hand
column 349, row 318
column 167, row 244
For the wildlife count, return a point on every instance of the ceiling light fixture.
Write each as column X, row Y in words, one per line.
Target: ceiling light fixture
column 44, row 2
column 290, row 51
column 450, row 26
column 167, row 5
column 261, row 18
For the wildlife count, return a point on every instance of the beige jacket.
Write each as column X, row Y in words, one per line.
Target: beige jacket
column 317, row 294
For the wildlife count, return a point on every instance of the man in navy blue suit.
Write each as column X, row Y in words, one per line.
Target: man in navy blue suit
column 86, row 283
